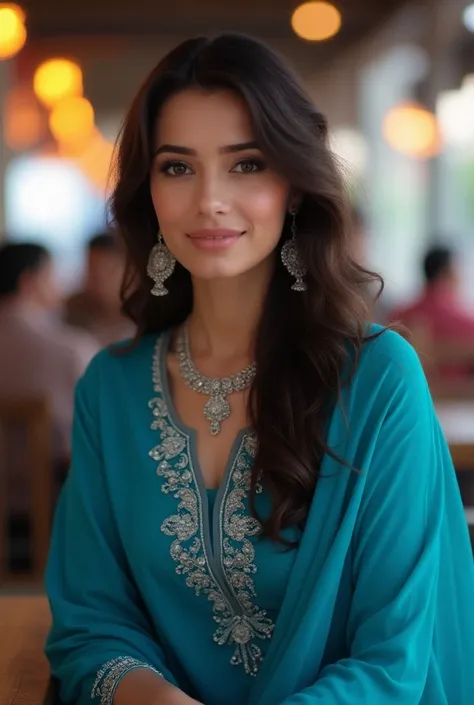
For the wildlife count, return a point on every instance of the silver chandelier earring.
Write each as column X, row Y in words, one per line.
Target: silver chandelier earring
column 292, row 260
column 161, row 264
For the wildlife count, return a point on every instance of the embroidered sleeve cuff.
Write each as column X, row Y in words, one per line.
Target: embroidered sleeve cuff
column 110, row 676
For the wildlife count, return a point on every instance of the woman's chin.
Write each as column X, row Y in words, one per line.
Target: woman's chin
column 210, row 269
column 214, row 274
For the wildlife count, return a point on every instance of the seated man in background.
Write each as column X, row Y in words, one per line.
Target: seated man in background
column 96, row 308
column 39, row 356
column 439, row 319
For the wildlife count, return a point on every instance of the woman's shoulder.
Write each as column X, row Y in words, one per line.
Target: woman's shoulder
column 387, row 359
column 388, row 384
column 128, row 359
column 386, row 345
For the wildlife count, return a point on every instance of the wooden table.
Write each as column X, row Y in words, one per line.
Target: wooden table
column 24, row 672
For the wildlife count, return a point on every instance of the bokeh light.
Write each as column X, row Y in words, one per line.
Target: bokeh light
column 468, row 17
column 12, row 30
column 24, row 123
column 413, row 130
column 16, row 9
column 454, row 109
column 316, row 21
column 95, row 162
column 72, row 120
column 57, row 79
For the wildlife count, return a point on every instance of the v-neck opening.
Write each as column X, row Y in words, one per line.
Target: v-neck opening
column 192, row 434
column 214, row 551
column 211, row 502
column 212, row 521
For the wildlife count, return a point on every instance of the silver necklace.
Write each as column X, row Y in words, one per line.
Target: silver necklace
column 217, row 407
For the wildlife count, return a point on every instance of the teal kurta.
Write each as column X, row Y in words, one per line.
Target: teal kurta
column 376, row 606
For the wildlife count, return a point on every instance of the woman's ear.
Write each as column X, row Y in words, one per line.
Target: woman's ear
column 294, row 201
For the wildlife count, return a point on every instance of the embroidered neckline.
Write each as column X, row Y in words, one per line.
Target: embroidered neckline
column 240, row 622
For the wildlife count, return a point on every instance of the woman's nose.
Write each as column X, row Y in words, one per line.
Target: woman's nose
column 213, row 196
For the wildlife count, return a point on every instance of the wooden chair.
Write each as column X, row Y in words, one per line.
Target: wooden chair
column 24, row 670
column 33, row 418
column 434, row 354
column 463, row 456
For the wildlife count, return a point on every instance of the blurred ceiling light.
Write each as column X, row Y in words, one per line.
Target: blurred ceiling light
column 16, row 9
column 316, row 21
column 413, row 130
column 95, row 160
column 468, row 17
column 12, row 30
column 24, row 123
column 455, row 110
column 72, row 120
column 351, row 147
column 56, row 79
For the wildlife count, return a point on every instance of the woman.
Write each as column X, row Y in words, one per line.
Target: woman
column 261, row 506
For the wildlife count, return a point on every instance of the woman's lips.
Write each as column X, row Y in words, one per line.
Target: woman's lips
column 214, row 239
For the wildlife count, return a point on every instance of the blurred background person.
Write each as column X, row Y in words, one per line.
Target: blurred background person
column 39, row 356
column 96, row 307
column 439, row 319
column 40, row 360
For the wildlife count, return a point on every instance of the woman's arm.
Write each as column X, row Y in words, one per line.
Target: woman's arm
column 101, row 633
column 396, row 554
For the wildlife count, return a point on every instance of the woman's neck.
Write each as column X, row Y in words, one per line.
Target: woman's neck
column 225, row 317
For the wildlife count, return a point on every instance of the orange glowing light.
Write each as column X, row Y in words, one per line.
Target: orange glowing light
column 412, row 130
column 316, row 21
column 95, row 161
column 72, row 120
column 12, row 30
column 24, row 122
column 56, row 79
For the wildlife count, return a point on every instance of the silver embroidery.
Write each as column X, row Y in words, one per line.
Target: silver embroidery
column 111, row 674
column 240, row 622
column 238, row 564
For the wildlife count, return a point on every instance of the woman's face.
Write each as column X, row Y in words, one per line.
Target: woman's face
column 220, row 207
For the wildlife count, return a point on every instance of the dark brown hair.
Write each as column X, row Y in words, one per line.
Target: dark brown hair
column 305, row 341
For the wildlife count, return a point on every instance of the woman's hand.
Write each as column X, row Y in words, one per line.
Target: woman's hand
column 145, row 687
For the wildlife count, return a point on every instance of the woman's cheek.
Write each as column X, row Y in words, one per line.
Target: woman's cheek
column 264, row 199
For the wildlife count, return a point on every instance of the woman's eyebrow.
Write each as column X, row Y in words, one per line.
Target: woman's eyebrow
column 226, row 149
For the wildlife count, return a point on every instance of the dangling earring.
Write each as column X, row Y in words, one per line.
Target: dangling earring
column 161, row 264
column 291, row 258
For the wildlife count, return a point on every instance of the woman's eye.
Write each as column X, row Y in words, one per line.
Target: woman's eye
column 176, row 169
column 247, row 166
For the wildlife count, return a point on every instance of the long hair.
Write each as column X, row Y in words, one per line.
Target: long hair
column 305, row 341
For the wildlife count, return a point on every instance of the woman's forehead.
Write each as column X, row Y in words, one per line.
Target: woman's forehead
column 198, row 119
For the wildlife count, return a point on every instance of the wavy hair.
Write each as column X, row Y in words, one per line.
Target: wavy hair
column 304, row 341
